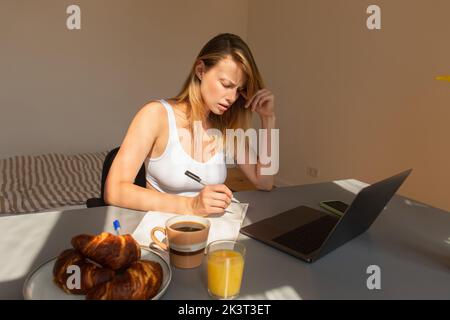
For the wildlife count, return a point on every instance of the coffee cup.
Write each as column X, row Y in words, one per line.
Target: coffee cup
column 186, row 237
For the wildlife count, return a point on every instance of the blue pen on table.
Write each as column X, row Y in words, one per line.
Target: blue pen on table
column 197, row 178
column 116, row 225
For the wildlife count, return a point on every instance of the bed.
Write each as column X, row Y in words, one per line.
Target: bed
column 49, row 182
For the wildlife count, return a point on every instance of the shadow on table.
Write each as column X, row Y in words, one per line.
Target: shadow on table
column 417, row 232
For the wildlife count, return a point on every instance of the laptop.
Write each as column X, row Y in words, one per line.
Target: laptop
column 309, row 234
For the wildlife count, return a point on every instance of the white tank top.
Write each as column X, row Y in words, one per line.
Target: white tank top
column 166, row 172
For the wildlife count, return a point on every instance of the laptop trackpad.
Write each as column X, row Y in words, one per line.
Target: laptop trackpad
column 308, row 237
column 284, row 222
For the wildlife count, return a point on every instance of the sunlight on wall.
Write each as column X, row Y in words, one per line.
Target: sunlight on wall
column 443, row 78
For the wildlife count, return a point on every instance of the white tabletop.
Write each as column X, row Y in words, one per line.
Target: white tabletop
column 409, row 242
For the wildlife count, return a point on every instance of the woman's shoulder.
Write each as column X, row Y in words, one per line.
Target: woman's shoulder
column 153, row 107
column 153, row 110
column 152, row 114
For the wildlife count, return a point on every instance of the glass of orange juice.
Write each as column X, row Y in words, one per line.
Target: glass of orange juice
column 225, row 267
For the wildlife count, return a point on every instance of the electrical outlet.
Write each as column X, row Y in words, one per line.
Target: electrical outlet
column 312, row 172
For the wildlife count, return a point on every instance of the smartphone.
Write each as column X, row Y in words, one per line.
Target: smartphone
column 334, row 206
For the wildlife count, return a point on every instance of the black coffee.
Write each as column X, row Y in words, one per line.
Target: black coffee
column 187, row 226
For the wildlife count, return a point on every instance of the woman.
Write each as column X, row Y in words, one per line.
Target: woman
column 221, row 92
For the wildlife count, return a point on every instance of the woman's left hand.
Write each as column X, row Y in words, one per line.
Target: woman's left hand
column 263, row 103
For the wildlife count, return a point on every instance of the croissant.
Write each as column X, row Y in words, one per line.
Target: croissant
column 111, row 251
column 90, row 274
column 141, row 281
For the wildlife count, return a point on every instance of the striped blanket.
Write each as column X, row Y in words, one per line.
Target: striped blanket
column 35, row 183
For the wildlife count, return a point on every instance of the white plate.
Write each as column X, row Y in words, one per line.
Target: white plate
column 39, row 284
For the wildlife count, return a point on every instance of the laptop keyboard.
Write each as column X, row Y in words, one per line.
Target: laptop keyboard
column 308, row 237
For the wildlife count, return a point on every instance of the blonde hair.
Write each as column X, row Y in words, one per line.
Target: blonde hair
column 220, row 47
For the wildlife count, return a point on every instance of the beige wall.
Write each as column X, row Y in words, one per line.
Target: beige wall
column 77, row 91
column 358, row 103
column 350, row 102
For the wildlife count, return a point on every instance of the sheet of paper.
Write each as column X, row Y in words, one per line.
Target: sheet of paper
column 223, row 227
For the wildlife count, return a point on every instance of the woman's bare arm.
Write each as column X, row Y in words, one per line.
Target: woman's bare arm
column 253, row 171
column 263, row 104
column 120, row 189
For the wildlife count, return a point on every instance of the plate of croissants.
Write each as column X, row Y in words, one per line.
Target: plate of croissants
column 110, row 267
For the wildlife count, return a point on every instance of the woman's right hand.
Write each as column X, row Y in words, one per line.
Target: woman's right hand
column 211, row 200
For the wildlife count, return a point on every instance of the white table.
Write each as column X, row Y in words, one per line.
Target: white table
column 409, row 242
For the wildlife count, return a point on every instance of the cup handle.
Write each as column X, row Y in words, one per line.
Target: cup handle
column 155, row 240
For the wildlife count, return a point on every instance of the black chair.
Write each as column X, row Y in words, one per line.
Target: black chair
column 100, row 202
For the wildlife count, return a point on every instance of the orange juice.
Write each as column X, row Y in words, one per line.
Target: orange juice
column 225, row 269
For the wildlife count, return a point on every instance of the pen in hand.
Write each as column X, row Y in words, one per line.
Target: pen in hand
column 197, row 178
